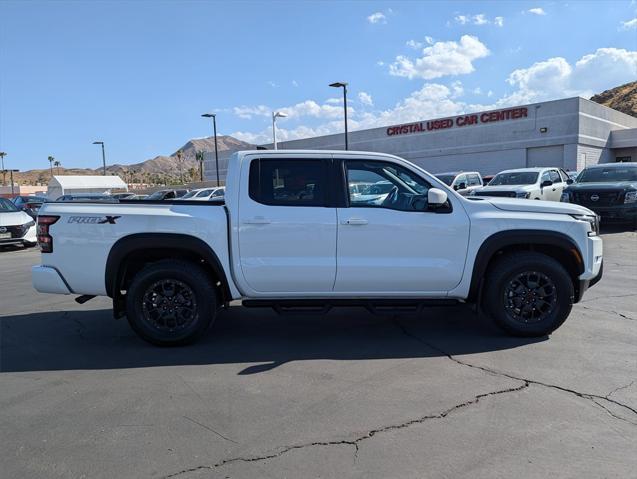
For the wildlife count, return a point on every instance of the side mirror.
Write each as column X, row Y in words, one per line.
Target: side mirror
column 456, row 187
column 436, row 197
column 546, row 183
column 462, row 186
column 570, row 181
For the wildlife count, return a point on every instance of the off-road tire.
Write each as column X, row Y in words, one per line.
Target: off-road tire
column 499, row 286
column 197, row 295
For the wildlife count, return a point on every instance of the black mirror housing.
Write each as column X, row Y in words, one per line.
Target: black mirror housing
column 546, row 183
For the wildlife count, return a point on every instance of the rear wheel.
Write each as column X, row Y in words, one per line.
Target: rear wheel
column 528, row 294
column 171, row 303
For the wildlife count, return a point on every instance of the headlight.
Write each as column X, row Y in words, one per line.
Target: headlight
column 592, row 220
column 28, row 225
column 631, row 197
column 565, row 198
column 522, row 194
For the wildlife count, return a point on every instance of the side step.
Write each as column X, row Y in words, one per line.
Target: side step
column 322, row 306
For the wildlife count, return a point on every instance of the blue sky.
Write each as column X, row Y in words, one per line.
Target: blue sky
column 138, row 74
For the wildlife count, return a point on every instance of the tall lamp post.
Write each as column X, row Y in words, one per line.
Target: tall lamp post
column 275, row 115
column 344, row 86
column 4, row 173
column 103, row 155
column 214, row 129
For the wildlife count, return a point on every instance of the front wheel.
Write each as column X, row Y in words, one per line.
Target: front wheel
column 171, row 302
column 528, row 294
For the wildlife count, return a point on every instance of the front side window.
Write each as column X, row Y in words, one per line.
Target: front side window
column 288, row 182
column 460, row 180
column 474, row 180
column 555, row 176
column 545, row 177
column 389, row 186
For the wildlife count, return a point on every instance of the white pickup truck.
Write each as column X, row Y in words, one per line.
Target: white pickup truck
column 291, row 235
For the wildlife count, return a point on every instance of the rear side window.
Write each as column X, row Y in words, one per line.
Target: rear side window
column 474, row 180
column 288, row 182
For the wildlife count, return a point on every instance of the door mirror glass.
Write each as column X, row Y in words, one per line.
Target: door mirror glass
column 462, row 186
column 436, row 197
column 546, row 183
column 569, row 181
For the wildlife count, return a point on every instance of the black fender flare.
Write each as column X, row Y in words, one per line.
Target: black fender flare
column 503, row 239
column 123, row 247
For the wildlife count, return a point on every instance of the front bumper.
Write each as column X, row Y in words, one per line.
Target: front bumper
column 616, row 213
column 19, row 236
column 594, row 266
column 47, row 279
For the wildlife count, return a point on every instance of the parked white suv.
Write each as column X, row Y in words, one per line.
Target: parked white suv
column 464, row 182
column 527, row 183
column 292, row 235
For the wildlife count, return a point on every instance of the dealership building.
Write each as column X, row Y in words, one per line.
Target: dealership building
column 571, row 133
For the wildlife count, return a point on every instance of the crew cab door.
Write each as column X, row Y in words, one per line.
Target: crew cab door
column 392, row 244
column 286, row 233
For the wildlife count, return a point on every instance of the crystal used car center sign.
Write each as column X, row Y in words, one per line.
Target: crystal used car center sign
column 458, row 121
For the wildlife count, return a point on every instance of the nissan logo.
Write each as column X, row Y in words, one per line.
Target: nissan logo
column 3, row 229
column 594, row 197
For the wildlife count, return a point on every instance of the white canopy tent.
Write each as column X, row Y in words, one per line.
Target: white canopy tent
column 67, row 185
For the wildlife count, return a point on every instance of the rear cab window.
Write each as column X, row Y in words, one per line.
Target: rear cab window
column 279, row 182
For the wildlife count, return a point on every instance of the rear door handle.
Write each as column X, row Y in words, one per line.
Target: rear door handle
column 257, row 220
column 355, row 221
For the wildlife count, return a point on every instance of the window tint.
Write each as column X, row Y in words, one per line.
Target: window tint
column 288, row 182
column 474, row 180
column 555, row 176
column 385, row 186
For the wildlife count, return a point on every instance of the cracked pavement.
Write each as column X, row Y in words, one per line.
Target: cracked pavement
column 345, row 395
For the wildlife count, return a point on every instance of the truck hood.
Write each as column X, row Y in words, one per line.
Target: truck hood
column 507, row 188
column 606, row 186
column 14, row 218
column 535, row 206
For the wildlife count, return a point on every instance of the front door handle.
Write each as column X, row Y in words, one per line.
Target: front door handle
column 257, row 220
column 355, row 221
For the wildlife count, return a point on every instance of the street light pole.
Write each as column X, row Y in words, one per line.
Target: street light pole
column 103, row 155
column 275, row 115
column 214, row 129
column 344, row 86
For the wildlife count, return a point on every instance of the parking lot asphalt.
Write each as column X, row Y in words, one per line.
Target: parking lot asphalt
column 350, row 394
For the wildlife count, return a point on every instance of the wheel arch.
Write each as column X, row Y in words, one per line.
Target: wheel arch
column 131, row 253
column 552, row 243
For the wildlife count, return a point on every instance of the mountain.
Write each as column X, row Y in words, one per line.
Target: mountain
column 622, row 98
column 159, row 169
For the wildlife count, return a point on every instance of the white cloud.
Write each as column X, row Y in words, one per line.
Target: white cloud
column 549, row 79
column 416, row 45
column 272, row 84
column 629, row 24
column 556, row 78
column 365, row 99
column 377, row 17
column 441, row 59
column 295, row 83
column 380, row 63
column 537, row 11
column 478, row 19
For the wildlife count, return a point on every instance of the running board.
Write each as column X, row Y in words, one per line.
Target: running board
column 322, row 306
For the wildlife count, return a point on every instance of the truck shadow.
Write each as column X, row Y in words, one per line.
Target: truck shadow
column 66, row 340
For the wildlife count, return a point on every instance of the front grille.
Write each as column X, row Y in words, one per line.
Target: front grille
column 16, row 231
column 594, row 198
column 505, row 194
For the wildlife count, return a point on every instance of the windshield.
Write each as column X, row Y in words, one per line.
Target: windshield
column 203, row 193
column 607, row 175
column 514, row 178
column 446, row 179
column 7, row 206
column 190, row 194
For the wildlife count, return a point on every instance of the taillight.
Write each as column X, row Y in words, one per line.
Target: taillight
column 44, row 238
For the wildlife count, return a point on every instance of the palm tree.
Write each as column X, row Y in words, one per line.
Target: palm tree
column 180, row 157
column 57, row 164
column 51, row 160
column 199, row 157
